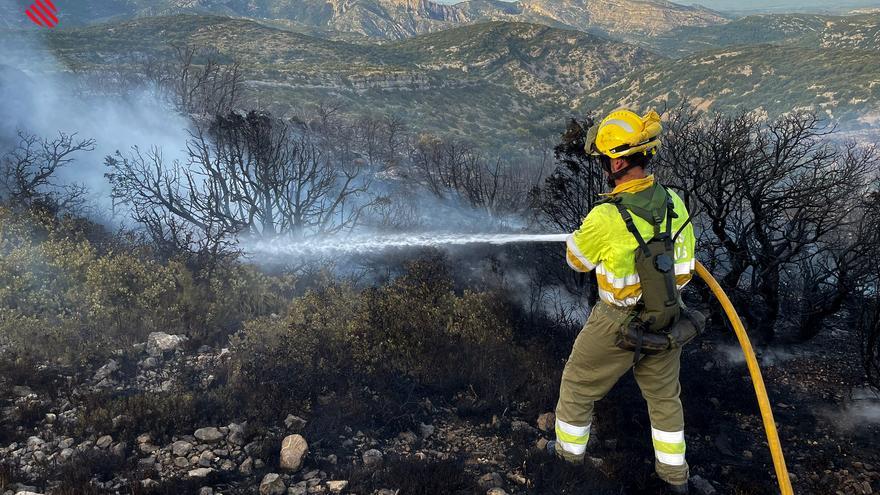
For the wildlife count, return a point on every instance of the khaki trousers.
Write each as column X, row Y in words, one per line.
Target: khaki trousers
column 594, row 366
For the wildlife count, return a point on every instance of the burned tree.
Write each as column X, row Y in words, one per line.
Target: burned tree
column 252, row 174
column 868, row 311
column 571, row 189
column 564, row 200
column 28, row 173
column 769, row 196
column 456, row 169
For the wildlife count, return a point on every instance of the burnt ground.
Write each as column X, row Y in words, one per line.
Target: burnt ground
column 828, row 426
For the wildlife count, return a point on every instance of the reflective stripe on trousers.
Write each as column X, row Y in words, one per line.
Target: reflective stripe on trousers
column 669, row 446
column 572, row 439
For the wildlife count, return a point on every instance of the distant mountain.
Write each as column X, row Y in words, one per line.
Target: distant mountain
column 494, row 83
column 861, row 32
column 835, row 81
column 397, row 19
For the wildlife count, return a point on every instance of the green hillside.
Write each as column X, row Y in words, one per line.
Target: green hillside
column 807, row 30
column 837, row 82
column 495, row 83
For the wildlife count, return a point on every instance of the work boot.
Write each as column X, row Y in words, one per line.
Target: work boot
column 675, row 489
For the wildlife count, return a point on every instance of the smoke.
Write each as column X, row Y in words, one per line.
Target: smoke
column 732, row 355
column 861, row 410
column 39, row 95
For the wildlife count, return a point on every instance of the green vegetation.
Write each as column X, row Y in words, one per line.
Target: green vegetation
column 861, row 32
column 772, row 79
column 68, row 301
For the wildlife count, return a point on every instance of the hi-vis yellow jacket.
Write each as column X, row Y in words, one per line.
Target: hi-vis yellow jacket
column 603, row 243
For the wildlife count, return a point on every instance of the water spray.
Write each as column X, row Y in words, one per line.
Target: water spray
column 378, row 243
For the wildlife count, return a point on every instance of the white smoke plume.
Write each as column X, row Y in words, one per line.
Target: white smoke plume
column 39, row 96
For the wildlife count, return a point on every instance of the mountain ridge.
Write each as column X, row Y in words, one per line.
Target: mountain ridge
column 396, row 19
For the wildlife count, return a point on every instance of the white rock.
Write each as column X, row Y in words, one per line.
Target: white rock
column 547, row 421
column 426, row 430
column 337, row 486
column 209, row 435
column 372, row 459
column 237, row 433
column 106, row 371
column 181, row 447
column 272, row 484
column 293, row 450
column 200, row 472
column 247, row 467
column 161, row 342
column 293, row 422
column 206, row 458
column 104, row 442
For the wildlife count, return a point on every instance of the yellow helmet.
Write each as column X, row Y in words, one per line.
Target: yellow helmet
column 624, row 133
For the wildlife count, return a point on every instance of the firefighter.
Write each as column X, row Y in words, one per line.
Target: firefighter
column 640, row 242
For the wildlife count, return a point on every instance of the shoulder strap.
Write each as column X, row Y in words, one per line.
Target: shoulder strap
column 670, row 214
column 630, row 225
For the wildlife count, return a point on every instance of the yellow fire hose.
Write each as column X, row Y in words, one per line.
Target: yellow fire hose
column 757, row 380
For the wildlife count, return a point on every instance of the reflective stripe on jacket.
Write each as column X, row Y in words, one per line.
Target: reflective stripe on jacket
column 603, row 243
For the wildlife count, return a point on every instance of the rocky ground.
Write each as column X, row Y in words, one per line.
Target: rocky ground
column 57, row 442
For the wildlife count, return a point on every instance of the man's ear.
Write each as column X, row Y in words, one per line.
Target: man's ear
column 617, row 164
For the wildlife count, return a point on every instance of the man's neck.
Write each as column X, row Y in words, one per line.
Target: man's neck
column 631, row 175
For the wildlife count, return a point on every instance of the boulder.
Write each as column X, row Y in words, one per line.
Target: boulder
column 294, row 423
column 247, row 467
column 293, row 450
column 272, row 484
column 200, row 472
column 208, row 435
column 159, row 343
column 407, row 437
column 104, row 442
column 337, row 486
column 238, row 433
column 181, row 448
column 106, row 371
column 547, row 421
column 372, row 459
column 426, row 430
column 206, row 458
